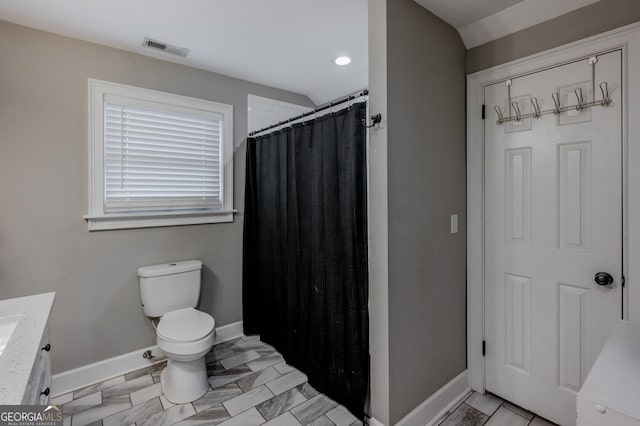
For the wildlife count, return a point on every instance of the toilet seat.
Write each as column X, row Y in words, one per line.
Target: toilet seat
column 185, row 326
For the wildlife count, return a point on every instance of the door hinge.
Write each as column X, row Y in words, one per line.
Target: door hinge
column 624, row 281
column 484, row 348
column 483, row 111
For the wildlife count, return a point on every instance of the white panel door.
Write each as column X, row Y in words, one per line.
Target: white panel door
column 553, row 219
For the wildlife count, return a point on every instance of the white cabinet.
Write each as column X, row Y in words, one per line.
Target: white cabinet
column 611, row 394
column 38, row 388
column 25, row 362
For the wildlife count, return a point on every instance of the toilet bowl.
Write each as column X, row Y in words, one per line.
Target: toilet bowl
column 185, row 335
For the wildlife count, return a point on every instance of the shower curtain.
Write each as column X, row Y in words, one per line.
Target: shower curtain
column 305, row 279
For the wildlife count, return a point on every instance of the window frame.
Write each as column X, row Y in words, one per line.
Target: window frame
column 97, row 219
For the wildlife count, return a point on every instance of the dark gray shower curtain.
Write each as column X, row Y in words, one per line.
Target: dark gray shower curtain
column 305, row 279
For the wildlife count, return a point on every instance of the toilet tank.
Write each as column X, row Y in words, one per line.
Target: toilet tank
column 169, row 286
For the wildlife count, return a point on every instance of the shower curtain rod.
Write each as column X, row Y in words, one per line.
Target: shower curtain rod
column 328, row 105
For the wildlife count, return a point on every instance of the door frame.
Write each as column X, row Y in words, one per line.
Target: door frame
column 627, row 39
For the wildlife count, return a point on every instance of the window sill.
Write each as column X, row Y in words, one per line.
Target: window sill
column 103, row 222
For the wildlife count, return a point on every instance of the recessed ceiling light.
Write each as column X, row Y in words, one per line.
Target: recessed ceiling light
column 342, row 60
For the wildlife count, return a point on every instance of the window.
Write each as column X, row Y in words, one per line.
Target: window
column 157, row 159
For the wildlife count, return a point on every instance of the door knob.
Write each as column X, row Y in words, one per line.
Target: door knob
column 603, row 279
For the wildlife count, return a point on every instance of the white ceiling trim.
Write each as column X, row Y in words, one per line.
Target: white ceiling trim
column 516, row 18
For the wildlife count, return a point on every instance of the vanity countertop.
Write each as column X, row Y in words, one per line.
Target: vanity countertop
column 19, row 355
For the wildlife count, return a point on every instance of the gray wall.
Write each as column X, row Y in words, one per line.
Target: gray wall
column 594, row 19
column 44, row 242
column 426, row 178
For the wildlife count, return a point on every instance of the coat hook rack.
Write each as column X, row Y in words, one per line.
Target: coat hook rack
column 375, row 119
column 515, row 112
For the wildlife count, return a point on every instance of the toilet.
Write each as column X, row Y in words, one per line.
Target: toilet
column 170, row 292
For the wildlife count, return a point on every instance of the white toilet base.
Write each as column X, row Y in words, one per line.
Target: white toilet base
column 184, row 382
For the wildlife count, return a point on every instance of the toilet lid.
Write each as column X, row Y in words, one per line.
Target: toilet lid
column 185, row 325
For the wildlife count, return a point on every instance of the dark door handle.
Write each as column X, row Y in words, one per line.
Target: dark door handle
column 603, row 279
column 45, row 392
column 46, row 348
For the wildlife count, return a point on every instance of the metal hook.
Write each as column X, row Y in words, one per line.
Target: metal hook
column 580, row 98
column 516, row 107
column 606, row 99
column 536, row 107
column 500, row 116
column 556, row 102
column 375, row 119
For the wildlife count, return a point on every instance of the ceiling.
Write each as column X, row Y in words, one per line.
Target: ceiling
column 288, row 44
column 481, row 21
column 459, row 13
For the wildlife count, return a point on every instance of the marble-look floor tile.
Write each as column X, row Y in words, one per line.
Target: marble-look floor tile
column 168, row 417
column 158, row 367
column 250, row 417
column 322, row 421
column 97, row 387
column 279, row 404
column 145, row 394
column 62, row 399
column 110, row 406
column 219, row 355
column 265, row 361
column 217, row 396
column 247, row 400
column 165, row 402
column 313, row 408
column 539, row 421
column 228, row 343
column 212, row 416
column 486, row 404
column 125, row 388
column 135, row 413
column 247, row 345
column 518, row 410
column 258, row 378
column 81, row 404
column 239, row 359
column 504, row 417
column 252, row 337
column 284, row 368
column 465, row 415
column 228, row 376
column 286, row 382
column 307, row 390
column 341, row 416
column 285, row 419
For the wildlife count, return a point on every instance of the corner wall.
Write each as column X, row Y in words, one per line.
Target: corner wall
column 426, row 184
column 44, row 242
column 378, row 215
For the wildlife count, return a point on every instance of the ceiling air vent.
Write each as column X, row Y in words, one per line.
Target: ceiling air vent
column 165, row 47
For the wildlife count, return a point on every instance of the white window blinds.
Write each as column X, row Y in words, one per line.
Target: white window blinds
column 161, row 161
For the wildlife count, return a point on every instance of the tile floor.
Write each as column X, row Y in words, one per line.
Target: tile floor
column 250, row 385
column 489, row 410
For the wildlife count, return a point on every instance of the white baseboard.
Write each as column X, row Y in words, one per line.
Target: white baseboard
column 103, row 370
column 431, row 410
